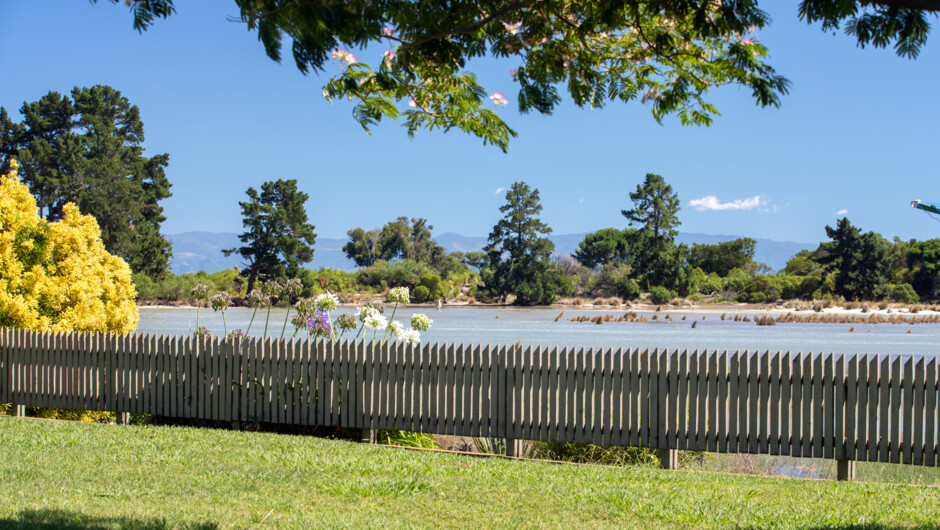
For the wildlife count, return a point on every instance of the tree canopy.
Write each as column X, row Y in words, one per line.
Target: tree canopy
column 278, row 239
column 667, row 54
column 860, row 260
column 402, row 238
column 88, row 150
column 720, row 258
column 519, row 255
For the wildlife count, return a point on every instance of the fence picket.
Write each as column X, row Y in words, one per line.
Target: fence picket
column 460, row 384
column 861, row 410
column 907, row 406
column 884, row 414
column 595, row 392
column 931, row 450
column 919, row 391
column 896, row 404
column 846, row 405
column 711, row 438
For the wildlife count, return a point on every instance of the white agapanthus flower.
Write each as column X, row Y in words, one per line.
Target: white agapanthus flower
column 409, row 335
column 396, row 328
column 420, row 322
column 375, row 321
column 399, row 295
column 326, row 302
column 365, row 313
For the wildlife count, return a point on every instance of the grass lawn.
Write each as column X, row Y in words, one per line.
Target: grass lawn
column 56, row 473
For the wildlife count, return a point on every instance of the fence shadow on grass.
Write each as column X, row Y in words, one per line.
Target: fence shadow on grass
column 49, row 519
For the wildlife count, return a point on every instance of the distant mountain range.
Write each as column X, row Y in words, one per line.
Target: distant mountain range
column 196, row 251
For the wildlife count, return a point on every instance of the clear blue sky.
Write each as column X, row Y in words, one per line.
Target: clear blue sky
column 858, row 133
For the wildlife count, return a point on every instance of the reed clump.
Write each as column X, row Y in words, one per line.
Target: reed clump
column 869, row 319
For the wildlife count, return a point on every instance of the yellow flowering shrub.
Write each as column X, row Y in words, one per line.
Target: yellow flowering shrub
column 58, row 276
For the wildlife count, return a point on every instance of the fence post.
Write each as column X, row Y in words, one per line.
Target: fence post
column 369, row 436
column 845, row 470
column 19, row 410
column 669, row 459
column 513, row 448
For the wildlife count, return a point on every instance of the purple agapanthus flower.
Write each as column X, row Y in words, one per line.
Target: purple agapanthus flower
column 319, row 324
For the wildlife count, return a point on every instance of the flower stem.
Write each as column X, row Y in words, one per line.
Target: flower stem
column 266, row 320
column 286, row 316
column 250, row 322
column 224, row 325
column 390, row 320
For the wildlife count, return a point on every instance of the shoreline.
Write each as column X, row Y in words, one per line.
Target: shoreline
column 709, row 309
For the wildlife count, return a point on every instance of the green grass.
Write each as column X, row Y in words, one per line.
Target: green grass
column 57, row 473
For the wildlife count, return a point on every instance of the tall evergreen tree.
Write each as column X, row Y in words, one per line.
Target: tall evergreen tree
column 278, row 239
column 88, row 150
column 859, row 260
column 519, row 257
column 923, row 259
column 655, row 211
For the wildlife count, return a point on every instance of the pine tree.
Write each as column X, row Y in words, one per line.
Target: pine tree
column 519, row 257
column 88, row 150
column 278, row 239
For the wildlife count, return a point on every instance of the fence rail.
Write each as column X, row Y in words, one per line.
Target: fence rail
column 844, row 407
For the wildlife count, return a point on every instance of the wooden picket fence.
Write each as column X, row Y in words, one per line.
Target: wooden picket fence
column 844, row 407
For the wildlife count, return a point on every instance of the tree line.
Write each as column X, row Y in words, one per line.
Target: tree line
column 87, row 148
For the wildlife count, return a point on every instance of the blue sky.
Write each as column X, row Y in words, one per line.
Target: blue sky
column 857, row 134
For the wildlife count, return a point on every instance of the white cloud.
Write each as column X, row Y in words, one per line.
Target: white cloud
column 843, row 211
column 711, row 203
column 499, row 190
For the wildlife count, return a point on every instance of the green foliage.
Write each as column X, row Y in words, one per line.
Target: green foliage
column 859, row 260
column 804, row 263
column 596, row 454
column 327, row 279
column 363, row 247
column 407, row 439
column 724, row 256
column 404, row 273
column 421, row 294
column 923, row 259
column 656, row 258
column 661, row 295
column 761, row 289
column 171, row 288
column 615, row 280
column 903, row 293
column 711, row 285
column 277, row 237
column 432, row 282
column 520, row 258
column 88, row 150
column 874, row 23
column 402, row 238
column 655, row 208
column 667, row 55
column 476, row 259
column 736, row 281
column 604, row 246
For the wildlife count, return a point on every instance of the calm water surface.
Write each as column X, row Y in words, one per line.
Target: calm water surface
column 538, row 327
